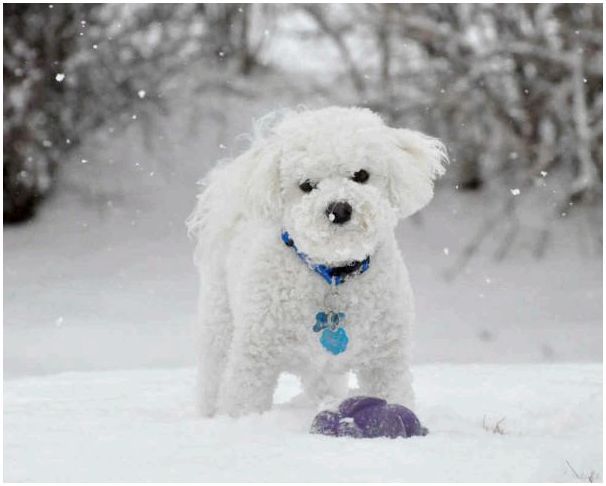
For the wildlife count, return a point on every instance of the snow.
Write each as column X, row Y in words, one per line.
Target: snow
column 140, row 426
column 100, row 294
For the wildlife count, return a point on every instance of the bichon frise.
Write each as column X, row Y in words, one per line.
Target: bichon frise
column 300, row 271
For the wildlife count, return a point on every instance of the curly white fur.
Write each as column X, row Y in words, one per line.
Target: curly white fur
column 258, row 300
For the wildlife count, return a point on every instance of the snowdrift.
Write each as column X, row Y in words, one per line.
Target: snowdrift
column 487, row 423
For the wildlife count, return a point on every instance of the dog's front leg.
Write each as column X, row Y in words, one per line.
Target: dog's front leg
column 250, row 377
column 213, row 342
column 212, row 357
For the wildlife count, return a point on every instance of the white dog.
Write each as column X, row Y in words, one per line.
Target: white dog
column 299, row 267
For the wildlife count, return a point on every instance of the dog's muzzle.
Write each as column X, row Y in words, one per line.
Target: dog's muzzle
column 339, row 212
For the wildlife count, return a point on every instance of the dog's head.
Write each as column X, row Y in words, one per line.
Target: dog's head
column 337, row 179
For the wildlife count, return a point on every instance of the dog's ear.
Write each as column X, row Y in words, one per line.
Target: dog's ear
column 416, row 161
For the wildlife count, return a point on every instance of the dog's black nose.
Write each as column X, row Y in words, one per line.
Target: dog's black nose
column 339, row 212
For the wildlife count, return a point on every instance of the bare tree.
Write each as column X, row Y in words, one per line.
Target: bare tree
column 70, row 69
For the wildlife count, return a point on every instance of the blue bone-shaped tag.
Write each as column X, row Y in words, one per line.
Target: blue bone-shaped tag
column 332, row 320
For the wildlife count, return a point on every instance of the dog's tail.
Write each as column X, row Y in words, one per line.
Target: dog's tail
column 248, row 186
column 215, row 213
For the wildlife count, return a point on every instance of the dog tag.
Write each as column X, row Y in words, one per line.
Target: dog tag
column 330, row 320
column 333, row 338
column 334, row 342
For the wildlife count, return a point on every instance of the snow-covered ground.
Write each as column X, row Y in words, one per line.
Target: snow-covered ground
column 140, row 426
column 102, row 281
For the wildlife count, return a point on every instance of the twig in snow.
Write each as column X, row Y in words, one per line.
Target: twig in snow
column 592, row 477
column 496, row 428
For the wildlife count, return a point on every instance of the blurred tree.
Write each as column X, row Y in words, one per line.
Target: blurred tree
column 514, row 90
column 231, row 36
column 71, row 68
column 37, row 42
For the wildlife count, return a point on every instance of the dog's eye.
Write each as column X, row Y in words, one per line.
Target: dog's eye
column 361, row 176
column 307, row 186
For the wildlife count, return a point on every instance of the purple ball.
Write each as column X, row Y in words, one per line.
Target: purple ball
column 354, row 404
column 326, row 423
column 378, row 421
column 411, row 423
column 368, row 417
column 348, row 428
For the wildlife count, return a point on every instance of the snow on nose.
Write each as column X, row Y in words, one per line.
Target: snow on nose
column 339, row 212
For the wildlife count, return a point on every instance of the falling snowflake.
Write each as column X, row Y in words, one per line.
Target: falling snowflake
column 543, row 173
column 60, row 77
column 446, row 251
column 141, row 93
column 515, row 191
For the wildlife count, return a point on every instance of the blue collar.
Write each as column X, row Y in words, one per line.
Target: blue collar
column 332, row 275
